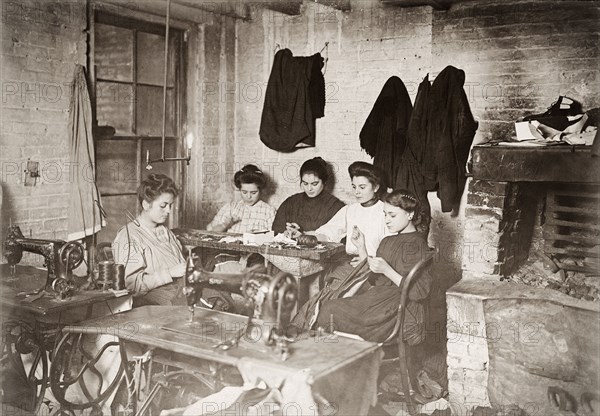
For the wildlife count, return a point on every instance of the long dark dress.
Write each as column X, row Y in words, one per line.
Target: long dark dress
column 372, row 313
column 308, row 213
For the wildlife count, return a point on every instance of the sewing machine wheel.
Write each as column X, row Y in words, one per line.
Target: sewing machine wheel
column 23, row 367
column 282, row 294
column 75, row 252
column 83, row 372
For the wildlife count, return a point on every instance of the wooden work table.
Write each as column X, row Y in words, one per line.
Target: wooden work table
column 16, row 291
column 301, row 262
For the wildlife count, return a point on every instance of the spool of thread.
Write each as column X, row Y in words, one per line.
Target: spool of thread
column 119, row 279
column 105, row 273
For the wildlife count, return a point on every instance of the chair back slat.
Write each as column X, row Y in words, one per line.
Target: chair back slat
column 406, row 283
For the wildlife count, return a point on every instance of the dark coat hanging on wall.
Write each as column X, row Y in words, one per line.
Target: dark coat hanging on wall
column 294, row 98
column 383, row 135
column 410, row 172
column 450, row 132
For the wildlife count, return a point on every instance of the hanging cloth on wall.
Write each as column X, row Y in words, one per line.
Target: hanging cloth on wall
column 383, row 135
column 450, row 133
column 410, row 172
column 85, row 218
column 294, row 98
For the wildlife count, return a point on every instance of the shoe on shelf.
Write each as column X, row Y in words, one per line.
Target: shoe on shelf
column 563, row 106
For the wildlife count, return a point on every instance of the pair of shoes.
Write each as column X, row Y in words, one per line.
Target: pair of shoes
column 564, row 106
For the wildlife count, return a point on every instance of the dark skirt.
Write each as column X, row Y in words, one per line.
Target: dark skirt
column 371, row 314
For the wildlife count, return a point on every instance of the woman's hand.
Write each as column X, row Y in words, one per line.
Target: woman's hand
column 355, row 261
column 292, row 230
column 357, row 237
column 177, row 271
column 379, row 265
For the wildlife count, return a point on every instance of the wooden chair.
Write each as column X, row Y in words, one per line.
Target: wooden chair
column 398, row 336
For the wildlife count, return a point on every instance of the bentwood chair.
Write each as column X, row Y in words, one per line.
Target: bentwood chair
column 405, row 335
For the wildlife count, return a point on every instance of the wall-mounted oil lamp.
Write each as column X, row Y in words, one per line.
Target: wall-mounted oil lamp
column 189, row 141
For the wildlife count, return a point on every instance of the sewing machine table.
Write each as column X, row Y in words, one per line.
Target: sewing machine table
column 327, row 358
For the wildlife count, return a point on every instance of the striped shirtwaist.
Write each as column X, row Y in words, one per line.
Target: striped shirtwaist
column 257, row 217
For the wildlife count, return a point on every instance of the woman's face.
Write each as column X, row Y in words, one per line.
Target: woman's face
column 396, row 219
column 364, row 191
column 250, row 193
column 158, row 210
column 311, row 184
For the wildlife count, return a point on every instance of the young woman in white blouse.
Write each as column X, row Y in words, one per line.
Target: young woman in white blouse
column 364, row 217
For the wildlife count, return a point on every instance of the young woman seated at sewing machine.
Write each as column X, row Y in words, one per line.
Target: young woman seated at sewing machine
column 371, row 311
column 151, row 253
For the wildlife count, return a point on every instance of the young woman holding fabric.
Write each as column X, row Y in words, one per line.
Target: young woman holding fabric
column 310, row 209
column 372, row 312
column 250, row 214
column 369, row 184
column 151, row 253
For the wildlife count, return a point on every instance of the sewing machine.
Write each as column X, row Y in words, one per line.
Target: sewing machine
column 272, row 299
column 60, row 258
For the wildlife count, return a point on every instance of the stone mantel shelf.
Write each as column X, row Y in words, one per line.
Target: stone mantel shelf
column 489, row 290
column 573, row 164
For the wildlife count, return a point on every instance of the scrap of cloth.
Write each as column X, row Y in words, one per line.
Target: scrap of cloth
column 85, row 216
column 294, row 98
column 383, row 135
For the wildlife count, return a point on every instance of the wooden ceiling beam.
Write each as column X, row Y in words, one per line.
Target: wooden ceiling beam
column 435, row 4
column 289, row 7
column 343, row 5
column 230, row 8
column 158, row 8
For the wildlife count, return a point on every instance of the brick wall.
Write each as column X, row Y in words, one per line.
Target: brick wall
column 366, row 46
column 41, row 43
column 519, row 56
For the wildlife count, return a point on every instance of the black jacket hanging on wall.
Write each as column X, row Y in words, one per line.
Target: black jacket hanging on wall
column 410, row 172
column 294, row 98
column 383, row 135
column 450, row 132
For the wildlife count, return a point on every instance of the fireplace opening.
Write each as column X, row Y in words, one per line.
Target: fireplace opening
column 567, row 258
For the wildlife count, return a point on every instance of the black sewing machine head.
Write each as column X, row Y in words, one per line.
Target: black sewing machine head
column 273, row 297
column 60, row 257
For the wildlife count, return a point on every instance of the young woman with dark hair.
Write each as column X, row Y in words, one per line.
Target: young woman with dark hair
column 151, row 253
column 365, row 216
column 250, row 214
column 372, row 312
column 307, row 210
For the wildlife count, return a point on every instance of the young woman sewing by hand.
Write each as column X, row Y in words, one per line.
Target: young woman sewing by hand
column 250, row 214
column 369, row 184
column 372, row 312
column 310, row 209
column 151, row 253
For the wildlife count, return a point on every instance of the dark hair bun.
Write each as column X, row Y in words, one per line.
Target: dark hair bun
column 317, row 166
column 375, row 175
column 249, row 174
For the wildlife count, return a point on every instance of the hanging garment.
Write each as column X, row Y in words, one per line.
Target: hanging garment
column 85, row 216
column 294, row 98
column 450, row 133
column 410, row 172
column 383, row 135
